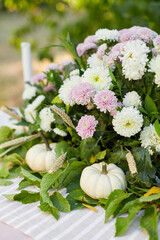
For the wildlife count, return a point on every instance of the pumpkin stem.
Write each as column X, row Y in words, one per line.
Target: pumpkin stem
column 45, row 141
column 104, row 168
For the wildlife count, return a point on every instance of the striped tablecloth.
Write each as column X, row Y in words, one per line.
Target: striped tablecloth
column 81, row 224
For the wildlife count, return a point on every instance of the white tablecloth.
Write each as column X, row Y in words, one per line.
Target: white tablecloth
column 81, row 224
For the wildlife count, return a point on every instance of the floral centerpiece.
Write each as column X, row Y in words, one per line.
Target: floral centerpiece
column 98, row 118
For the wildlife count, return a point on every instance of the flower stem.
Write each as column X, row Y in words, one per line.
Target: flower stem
column 104, row 168
column 45, row 141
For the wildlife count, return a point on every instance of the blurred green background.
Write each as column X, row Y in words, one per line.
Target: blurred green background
column 43, row 22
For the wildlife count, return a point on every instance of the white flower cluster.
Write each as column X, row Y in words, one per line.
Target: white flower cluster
column 29, row 93
column 60, row 132
column 99, row 77
column 128, row 122
column 134, row 59
column 155, row 67
column 149, row 138
column 132, row 99
column 106, row 34
column 30, row 111
column 67, row 86
column 47, row 118
column 93, row 61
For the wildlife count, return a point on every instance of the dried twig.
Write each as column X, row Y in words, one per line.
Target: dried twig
column 58, row 163
column 12, row 114
column 63, row 115
column 131, row 162
column 18, row 141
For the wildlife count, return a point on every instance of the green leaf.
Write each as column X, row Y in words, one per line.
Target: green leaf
column 61, row 148
column 60, row 202
column 56, row 100
column 47, row 181
column 129, row 205
column 5, row 182
column 24, row 183
column 88, row 147
column 145, row 168
column 122, row 223
column 114, row 199
column 13, row 158
column 5, row 132
column 150, row 106
column 4, row 173
column 150, row 198
column 79, row 195
column 30, row 176
column 149, row 222
column 45, row 207
column 10, row 197
column 27, row 197
column 74, row 204
column 157, row 127
column 101, row 155
column 71, row 173
column 71, row 48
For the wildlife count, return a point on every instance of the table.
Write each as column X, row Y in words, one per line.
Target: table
column 81, row 224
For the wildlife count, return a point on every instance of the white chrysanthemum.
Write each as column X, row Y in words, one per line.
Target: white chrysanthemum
column 38, row 101
column 99, row 77
column 134, row 59
column 47, row 118
column 29, row 93
column 60, row 132
column 93, row 61
column 18, row 128
column 128, row 122
column 149, row 138
column 154, row 67
column 106, row 34
column 132, row 99
column 67, row 86
column 30, row 111
column 74, row 72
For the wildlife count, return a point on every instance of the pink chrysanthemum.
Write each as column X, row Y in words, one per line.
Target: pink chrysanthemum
column 86, row 126
column 82, row 93
column 52, row 66
column 90, row 39
column 137, row 32
column 114, row 53
column 66, row 62
column 49, row 88
column 101, row 50
column 38, row 77
column 84, row 47
column 106, row 101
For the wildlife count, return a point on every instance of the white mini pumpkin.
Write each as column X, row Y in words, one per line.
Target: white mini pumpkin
column 39, row 159
column 100, row 179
